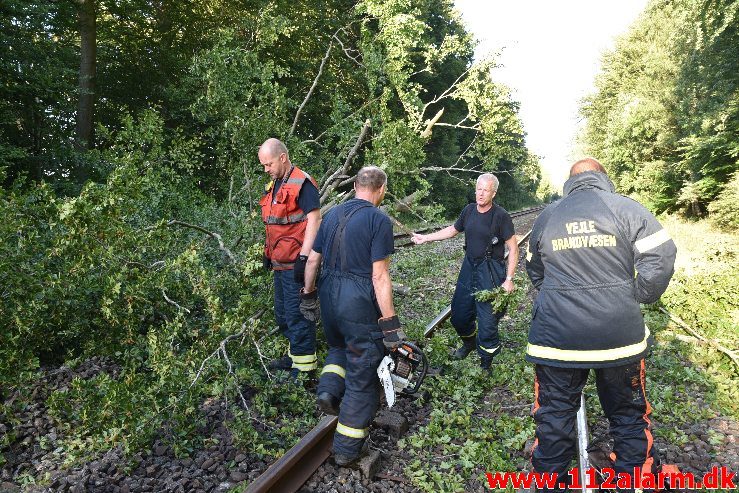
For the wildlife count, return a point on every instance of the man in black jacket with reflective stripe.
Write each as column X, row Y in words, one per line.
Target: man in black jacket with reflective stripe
column 594, row 255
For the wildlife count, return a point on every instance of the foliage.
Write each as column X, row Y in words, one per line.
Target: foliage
column 501, row 300
column 146, row 249
column 724, row 210
column 665, row 115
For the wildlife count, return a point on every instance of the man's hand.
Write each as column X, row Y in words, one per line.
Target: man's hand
column 392, row 334
column 299, row 269
column 508, row 285
column 309, row 305
column 419, row 239
column 266, row 263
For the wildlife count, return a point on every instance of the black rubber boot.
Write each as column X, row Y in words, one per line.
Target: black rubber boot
column 468, row 345
column 487, row 360
column 328, row 404
column 347, row 460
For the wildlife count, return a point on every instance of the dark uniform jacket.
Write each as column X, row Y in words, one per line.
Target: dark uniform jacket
column 594, row 255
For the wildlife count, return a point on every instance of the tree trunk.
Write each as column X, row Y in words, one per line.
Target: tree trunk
column 88, row 54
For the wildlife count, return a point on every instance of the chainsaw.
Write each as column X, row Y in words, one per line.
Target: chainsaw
column 402, row 371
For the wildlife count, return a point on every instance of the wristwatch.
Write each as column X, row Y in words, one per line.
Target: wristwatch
column 509, row 278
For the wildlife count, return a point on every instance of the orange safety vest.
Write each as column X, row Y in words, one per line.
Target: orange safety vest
column 284, row 220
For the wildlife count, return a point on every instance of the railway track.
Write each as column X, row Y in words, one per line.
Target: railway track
column 290, row 472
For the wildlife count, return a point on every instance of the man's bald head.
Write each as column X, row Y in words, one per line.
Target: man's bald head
column 587, row 164
column 273, row 156
column 273, row 147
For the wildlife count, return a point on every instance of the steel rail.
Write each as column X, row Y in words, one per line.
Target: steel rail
column 293, row 469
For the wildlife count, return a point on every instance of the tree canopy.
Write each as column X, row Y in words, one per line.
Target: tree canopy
column 665, row 116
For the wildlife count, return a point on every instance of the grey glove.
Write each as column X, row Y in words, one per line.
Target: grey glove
column 309, row 305
column 392, row 334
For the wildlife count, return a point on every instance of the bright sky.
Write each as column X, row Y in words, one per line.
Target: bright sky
column 550, row 53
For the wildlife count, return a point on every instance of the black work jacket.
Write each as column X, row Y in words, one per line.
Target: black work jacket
column 594, row 255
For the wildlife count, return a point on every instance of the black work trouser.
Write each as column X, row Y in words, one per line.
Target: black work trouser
column 349, row 313
column 621, row 391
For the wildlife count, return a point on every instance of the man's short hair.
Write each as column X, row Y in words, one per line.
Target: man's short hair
column 587, row 164
column 491, row 178
column 371, row 178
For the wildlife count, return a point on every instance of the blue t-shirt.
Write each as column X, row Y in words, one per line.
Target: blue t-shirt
column 368, row 237
column 308, row 198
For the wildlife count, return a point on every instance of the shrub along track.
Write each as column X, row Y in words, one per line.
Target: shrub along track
column 470, row 422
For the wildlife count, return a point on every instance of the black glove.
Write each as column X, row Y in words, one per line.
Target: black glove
column 299, row 269
column 266, row 263
column 309, row 305
column 392, row 334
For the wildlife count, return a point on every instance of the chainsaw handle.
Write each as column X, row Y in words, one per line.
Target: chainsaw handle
column 424, row 368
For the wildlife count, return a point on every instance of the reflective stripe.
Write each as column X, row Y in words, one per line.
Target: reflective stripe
column 298, row 217
column 352, row 432
column 334, row 369
column 474, row 333
column 490, row 350
column 588, row 355
column 305, row 366
column 652, row 241
column 308, row 358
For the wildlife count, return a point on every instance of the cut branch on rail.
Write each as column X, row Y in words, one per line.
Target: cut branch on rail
column 222, row 352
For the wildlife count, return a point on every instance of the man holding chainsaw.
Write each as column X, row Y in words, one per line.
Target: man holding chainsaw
column 353, row 245
column 487, row 227
column 595, row 256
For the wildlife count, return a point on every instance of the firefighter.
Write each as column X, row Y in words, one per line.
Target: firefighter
column 291, row 213
column 353, row 246
column 487, row 227
column 594, row 255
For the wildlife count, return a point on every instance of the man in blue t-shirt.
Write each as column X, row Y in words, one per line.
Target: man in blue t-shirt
column 488, row 228
column 354, row 244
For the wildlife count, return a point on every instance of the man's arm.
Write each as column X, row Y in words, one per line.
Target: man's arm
column 383, row 286
column 311, row 270
column 512, row 244
column 311, row 229
column 534, row 265
column 442, row 234
column 654, row 256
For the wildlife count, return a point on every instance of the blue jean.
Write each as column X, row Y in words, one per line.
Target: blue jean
column 476, row 276
column 300, row 332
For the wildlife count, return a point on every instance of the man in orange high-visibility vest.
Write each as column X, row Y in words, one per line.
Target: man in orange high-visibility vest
column 291, row 214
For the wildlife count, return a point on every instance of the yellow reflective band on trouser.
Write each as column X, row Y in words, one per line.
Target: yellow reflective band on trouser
column 491, row 351
column 474, row 333
column 652, row 241
column 352, row 432
column 589, row 355
column 304, row 363
column 334, row 369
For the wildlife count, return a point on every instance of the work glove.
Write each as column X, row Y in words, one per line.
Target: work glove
column 392, row 334
column 299, row 269
column 266, row 263
column 309, row 305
